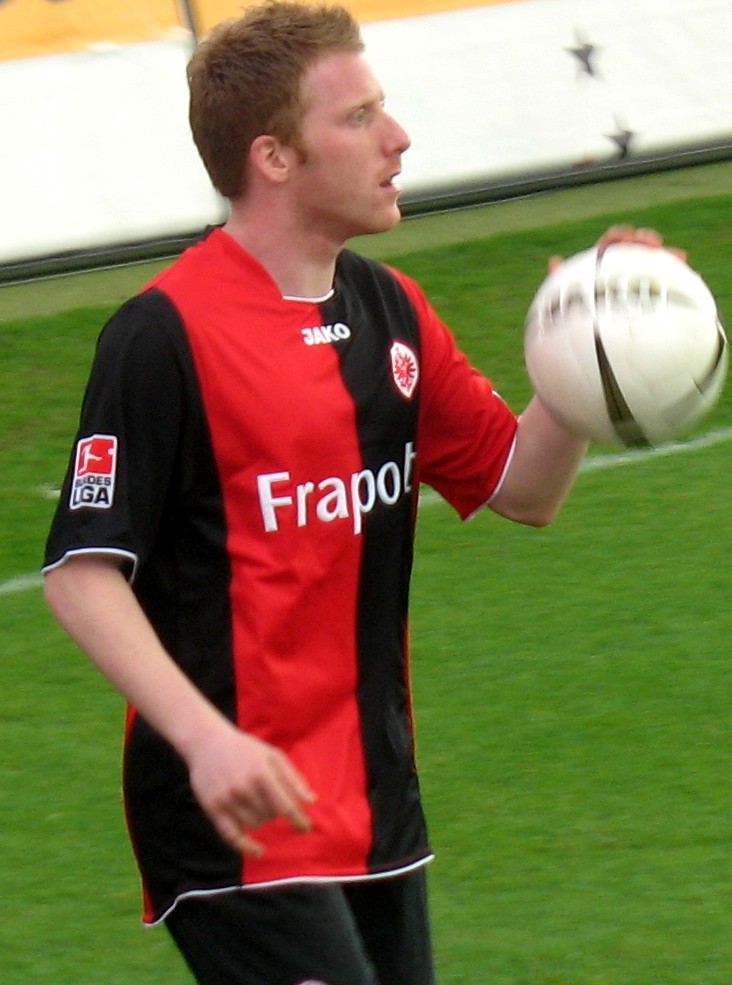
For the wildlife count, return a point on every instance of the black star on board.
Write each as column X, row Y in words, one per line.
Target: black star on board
column 585, row 53
column 622, row 138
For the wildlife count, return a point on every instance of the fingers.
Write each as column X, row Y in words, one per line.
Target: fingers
column 632, row 234
column 235, row 823
column 293, row 793
column 239, row 840
column 626, row 234
column 260, row 785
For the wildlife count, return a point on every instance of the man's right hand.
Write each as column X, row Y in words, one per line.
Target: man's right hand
column 242, row 782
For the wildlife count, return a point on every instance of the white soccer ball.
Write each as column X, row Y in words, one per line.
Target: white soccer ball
column 625, row 345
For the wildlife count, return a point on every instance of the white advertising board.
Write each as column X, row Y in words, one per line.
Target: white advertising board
column 96, row 150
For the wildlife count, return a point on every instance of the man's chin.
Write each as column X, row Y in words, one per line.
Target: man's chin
column 385, row 222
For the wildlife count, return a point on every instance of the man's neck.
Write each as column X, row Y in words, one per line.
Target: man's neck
column 300, row 263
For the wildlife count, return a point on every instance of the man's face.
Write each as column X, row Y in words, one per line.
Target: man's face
column 351, row 151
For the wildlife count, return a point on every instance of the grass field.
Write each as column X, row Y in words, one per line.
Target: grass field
column 573, row 685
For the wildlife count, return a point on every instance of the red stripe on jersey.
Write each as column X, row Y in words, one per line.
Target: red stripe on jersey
column 283, row 433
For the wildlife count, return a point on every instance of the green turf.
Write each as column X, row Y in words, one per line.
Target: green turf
column 572, row 685
column 626, row 197
column 574, row 694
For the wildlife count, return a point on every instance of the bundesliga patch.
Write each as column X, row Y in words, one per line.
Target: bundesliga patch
column 95, row 470
column 404, row 368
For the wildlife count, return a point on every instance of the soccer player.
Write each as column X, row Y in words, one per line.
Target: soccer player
column 233, row 543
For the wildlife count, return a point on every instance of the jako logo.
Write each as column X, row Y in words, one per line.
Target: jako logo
column 325, row 334
column 334, row 498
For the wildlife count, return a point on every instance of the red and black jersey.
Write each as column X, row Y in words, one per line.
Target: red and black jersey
column 255, row 462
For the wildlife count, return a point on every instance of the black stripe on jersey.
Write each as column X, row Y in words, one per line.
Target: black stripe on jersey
column 371, row 302
column 184, row 590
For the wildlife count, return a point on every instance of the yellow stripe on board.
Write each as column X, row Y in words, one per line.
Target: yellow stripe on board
column 382, row 10
column 29, row 28
column 210, row 12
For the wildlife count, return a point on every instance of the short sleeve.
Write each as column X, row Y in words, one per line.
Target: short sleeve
column 123, row 461
column 466, row 431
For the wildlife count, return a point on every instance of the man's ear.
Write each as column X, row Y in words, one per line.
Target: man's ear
column 270, row 158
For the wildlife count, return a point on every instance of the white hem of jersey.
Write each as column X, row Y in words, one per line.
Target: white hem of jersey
column 294, row 881
column 495, row 492
column 104, row 551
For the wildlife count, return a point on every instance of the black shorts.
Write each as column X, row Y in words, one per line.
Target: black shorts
column 367, row 933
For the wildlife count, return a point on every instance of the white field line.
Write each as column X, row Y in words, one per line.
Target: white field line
column 20, row 584
column 428, row 497
column 594, row 463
